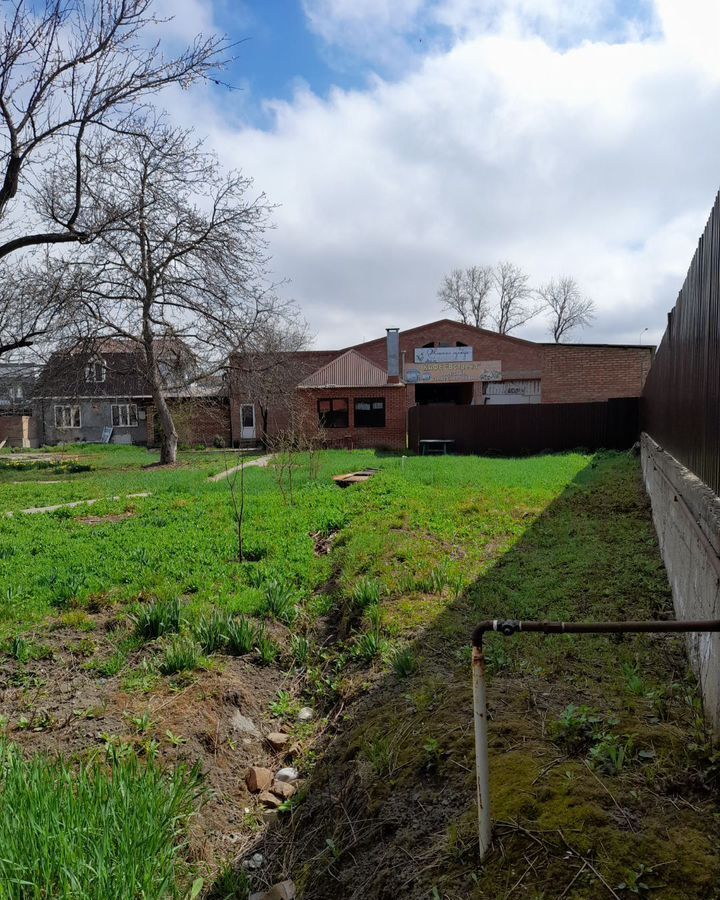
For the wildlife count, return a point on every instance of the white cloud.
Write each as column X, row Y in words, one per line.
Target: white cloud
column 598, row 161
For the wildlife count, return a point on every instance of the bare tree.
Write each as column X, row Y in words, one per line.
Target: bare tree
column 68, row 70
column 37, row 297
column 566, row 306
column 182, row 269
column 514, row 298
column 466, row 293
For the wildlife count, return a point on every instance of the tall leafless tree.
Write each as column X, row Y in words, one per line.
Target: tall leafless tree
column 182, row 266
column 514, row 302
column 69, row 71
column 567, row 308
column 466, row 292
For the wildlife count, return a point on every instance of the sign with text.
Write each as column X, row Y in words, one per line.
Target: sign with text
column 446, row 372
column 443, row 354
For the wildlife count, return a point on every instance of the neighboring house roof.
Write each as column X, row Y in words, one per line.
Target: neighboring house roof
column 66, row 373
column 349, row 370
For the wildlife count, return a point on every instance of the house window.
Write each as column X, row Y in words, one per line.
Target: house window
column 123, row 414
column 333, row 413
column 95, row 371
column 67, row 417
column 370, row 413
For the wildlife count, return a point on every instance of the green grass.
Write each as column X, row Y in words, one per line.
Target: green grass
column 425, row 549
column 96, row 830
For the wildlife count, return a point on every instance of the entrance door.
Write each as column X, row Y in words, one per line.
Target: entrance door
column 247, row 422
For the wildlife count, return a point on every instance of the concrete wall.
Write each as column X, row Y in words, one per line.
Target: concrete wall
column 686, row 514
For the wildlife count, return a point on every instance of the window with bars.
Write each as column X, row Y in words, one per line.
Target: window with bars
column 370, row 412
column 333, row 412
column 123, row 414
column 67, row 417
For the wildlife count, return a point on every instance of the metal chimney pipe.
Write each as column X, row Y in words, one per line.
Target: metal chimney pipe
column 393, row 354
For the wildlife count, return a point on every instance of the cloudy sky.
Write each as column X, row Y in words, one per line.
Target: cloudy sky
column 402, row 138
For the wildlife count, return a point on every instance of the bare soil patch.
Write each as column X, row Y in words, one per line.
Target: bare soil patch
column 59, row 705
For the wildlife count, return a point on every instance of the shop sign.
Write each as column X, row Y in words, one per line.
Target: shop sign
column 448, row 372
column 443, row 354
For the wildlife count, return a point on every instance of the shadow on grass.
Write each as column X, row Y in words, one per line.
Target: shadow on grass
column 390, row 807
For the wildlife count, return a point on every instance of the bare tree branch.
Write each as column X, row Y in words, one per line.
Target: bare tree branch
column 567, row 308
column 466, row 293
column 514, row 298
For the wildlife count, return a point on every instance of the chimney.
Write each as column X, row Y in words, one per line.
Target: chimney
column 393, row 355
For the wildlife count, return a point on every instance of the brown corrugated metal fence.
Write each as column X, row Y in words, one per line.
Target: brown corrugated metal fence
column 681, row 399
column 527, row 428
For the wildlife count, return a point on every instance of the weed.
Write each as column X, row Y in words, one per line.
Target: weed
column 280, row 601
column 152, row 620
column 142, row 724
column 240, row 636
column 380, row 754
column 284, row 705
column 231, row 883
column 52, row 815
column 182, row 654
column 634, row 682
column 174, row 739
column 610, row 754
column 634, row 882
column 108, row 668
column 575, row 728
column 300, row 649
column 497, row 656
column 210, row 632
column 366, row 593
column 432, row 756
column 267, row 650
column 404, row 662
column 369, row 645
column 23, row 651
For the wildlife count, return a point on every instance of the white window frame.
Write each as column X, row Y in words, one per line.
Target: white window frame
column 95, row 368
column 67, row 414
column 127, row 407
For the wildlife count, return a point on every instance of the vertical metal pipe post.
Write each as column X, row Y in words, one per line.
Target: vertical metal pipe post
column 482, row 767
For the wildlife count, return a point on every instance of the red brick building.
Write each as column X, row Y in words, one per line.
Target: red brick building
column 360, row 395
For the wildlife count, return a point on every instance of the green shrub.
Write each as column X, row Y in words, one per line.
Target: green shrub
column 91, row 831
column 240, row 635
column 182, row 654
column 152, row 620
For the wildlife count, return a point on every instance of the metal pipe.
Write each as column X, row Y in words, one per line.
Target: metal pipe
column 508, row 627
column 482, row 764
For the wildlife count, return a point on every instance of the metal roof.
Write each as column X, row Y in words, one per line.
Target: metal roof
column 349, row 370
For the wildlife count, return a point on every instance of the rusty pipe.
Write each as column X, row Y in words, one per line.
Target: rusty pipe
column 508, row 627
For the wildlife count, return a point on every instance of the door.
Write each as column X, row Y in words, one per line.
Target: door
column 247, row 422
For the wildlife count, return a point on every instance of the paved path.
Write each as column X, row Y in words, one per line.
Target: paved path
column 260, row 462
column 45, row 509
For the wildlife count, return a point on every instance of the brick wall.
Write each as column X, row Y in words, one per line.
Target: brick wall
column 578, row 374
column 19, row 431
column 391, row 437
column 517, row 356
column 196, row 422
